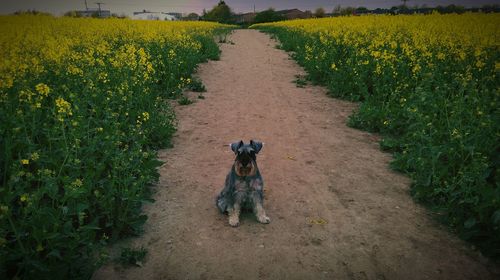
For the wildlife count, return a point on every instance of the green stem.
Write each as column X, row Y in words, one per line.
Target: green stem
column 17, row 235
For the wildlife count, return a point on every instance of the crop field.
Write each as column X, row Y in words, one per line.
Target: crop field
column 83, row 108
column 85, row 104
column 430, row 85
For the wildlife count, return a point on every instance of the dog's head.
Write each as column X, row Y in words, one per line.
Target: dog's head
column 246, row 156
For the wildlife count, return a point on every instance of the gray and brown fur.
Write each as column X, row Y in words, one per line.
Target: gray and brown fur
column 244, row 185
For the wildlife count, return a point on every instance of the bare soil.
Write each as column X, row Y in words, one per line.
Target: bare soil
column 337, row 211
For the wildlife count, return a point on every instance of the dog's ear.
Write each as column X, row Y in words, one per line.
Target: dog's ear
column 256, row 145
column 236, row 145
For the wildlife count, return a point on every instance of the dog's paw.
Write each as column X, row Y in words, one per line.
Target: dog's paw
column 264, row 219
column 234, row 221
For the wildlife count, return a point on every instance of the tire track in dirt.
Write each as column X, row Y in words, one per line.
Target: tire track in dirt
column 314, row 167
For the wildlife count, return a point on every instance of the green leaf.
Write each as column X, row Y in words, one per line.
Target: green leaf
column 470, row 222
column 55, row 253
column 496, row 217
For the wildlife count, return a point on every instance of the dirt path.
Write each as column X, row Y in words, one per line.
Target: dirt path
column 315, row 168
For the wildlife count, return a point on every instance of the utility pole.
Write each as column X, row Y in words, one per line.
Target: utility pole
column 86, row 7
column 99, row 4
column 254, row 8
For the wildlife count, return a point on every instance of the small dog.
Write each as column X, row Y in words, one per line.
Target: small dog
column 244, row 185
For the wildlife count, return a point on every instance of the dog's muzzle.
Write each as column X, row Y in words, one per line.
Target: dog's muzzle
column 245, row 162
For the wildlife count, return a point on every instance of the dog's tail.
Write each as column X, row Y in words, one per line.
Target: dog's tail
column 221, row 203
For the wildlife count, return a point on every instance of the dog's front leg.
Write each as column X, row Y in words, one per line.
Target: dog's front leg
column 234, row 211
column 234, row 215
column 258, row 208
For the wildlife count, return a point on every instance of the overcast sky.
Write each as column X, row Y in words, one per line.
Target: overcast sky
column 58, row 7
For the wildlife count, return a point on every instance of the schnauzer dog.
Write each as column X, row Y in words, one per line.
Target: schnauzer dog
column 244, row 185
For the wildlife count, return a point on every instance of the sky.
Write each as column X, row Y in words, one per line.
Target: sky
column 58, row 7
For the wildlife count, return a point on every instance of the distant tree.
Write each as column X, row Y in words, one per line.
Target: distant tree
column 220, row 13
column 319, row 13
column 450, row 9
column 268, row 15
column 337, row 9
column 404, row 9
column 30, row 12
column 455, row 9
column 308, row 14
column 191, row 16
column 490, row 8
column 380, row 11
column 347, row 11
column 394, row 10
column 362, row 10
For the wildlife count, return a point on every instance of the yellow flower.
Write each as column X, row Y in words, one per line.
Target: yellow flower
column 7, row 82
column 63, row 108
column 25, row 161
column 77, row 183
column 171, row 54
column 461, row 55
column 74, row 70
column 24, row 198
column 42, row 89
column 416, row 69
column 455, row 133
column 376, row 54
column 145, row 116
column 35, row 156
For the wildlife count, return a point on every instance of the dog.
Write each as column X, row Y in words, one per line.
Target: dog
column 243, row 188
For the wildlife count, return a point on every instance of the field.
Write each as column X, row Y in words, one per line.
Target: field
column 430, row 85
column 86, row 110
column 83, row 108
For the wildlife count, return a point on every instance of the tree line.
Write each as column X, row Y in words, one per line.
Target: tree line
column 223, row 13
